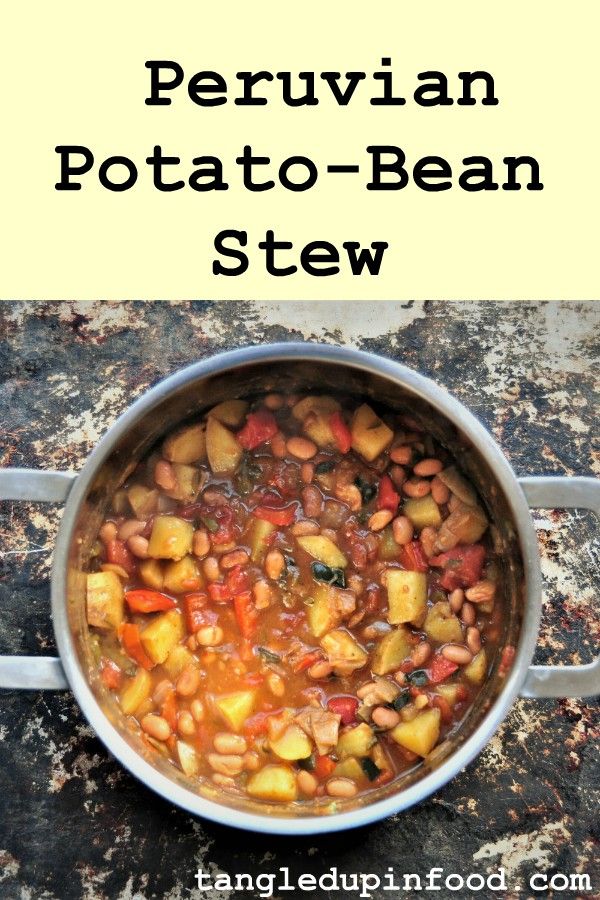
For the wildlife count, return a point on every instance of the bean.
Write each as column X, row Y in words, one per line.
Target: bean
column 210, row 567
column 481, row 592
column 307, row 471
column 384, row 717
column 457, row 653
column 312, row 501
column 420, row 654
column 376, row 630
column 251, row 760
column 235, row 558
column 349, row 494
column 274, row 564
column 425, row 468
column 439, row 491
column 468, row 614
column 227, row 743
column 398, row 475
column 262, row 594
column 355, row 583
column 380, row 519
column 456, row 600
column 320, row 669
column 201, row 542
column 301, row 448
column 278, row 447
column 185, row 724
column 305, row 527
column 341, row 787
column 428, row 538
column 164, row 475
column 401, row 455
column 160, row 692
column 209, row 636
column 108, row 532
column 138, row 546
column 188, row 682
column 129, row 528
column 416, row 487
column 403, row 530
column 307, row 783
column 156, row 727
column 273, row 401
column 400, row 677
column 229, row 765
column 276, row 684
column 197, row 710
column 223, row 781
column 473, row 640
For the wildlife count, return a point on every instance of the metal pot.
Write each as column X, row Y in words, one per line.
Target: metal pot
column 299, row 367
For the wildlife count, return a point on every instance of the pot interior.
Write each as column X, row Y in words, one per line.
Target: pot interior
column 290, row 375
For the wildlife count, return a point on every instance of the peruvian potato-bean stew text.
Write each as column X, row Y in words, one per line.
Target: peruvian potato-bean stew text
column 295, row 598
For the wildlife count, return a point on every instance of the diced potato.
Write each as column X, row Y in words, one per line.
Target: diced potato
column 143, row 500
column 343, row 652
column 349, row 768
column 258, row 538
column 230, row 412
column 105, row 600
column 177, row 660
column 171, row 538
column 182, row 576
column 323, row 549
column 323, row 405
column 323, row 613
column 187, row 445
column 388, row 548
column 356, row 742
column 370, row 436
column 391, row 651
column 136, row 691
column 223, row 449
column 380, row 757
column 161, row 635
column 464, row 525
column 276, row 783
column 449, row 692
column 189, row 482
column 442, row 625
column 236, row 707
column 294, row 743
column 407, row 596
column 188, row 759
column 317, row 427
column 476, row 671
column 423, row 512
column 151, row 573
column 421, row 734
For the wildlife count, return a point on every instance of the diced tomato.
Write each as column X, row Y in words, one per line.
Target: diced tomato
column 237, row 580
column 285, row 478
column 246, row 650
column 340, row 431
column 245, row 613
column 144, row 601
column 129, row 635
column 284, row 516
column 462, row 566
column 117, row 553
column 412, row 556
column 345, row 707
column 306, row 661
column 219, row 592
column 444, row 707
column 194, row 611
column 169, row 709
column 111, row 674
column 324, row 766
column 260, row 427
column 387, row 497
column 256, row 724
column 383, row 778
column 440, row 669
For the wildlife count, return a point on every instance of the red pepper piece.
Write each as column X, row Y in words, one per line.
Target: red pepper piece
column 237, row 580
column 111, row 674
column 279, row 517
column 169, row 709
column 324, row 766
column 340, row 431
column 440, row 669
column 306, row 661
column 245, row 613
column 387, row 497
column 144, row 601
column 129, row 635
column 256, row 724
column 412, row 556
column 219, row 592
column 462, row 566
column 260, row 427
column 118, row 554
column 194, row 611
column 345, row 707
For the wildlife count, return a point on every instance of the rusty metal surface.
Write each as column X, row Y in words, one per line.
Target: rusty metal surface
column 74, row 824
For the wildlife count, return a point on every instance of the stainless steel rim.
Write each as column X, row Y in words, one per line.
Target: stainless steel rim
column 187, row 799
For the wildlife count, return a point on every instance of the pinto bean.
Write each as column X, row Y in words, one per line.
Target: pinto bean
column 312, row 501
column 164, row 475
column 384, row 717
column 428, row 538
column 188, row 682
column 474, row 640
column 197, row 710
column 301, row 448
column 138, row 546
column 210, row 567
column 350, row 495
column 108, row 532
column 209, row 636
column 380, row 519
column 273, row 401
column 274, row 564
column 401, row 455
column 307, row 783
column 416, row 487
column 227, row 744
column 307, row 471
column 468, row 614
column 305, row 527
column 420, row 654
column 262, row 594
column 481, row 592
column 185, row 724
column 229, row 765
column 129, row 528
column 156, row 727
column 320, row 669
column 457, row 653
column 403, row 530
column 456, row 600
column 276, row 684
column 201, row 543
column 398, row 475
column 341, row 787
column 278, row 447
column 439, row 491
column 425, row 468
column 235, row 558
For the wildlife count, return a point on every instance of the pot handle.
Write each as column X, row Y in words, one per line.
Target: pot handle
column 551, row 492
column 34, row 672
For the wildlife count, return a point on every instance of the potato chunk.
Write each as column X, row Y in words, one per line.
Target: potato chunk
column 187, row 445
column 318, row 429
column 344, row 653
column 159, row 638
column 328, row 608
column 276, row 783
column 476, row 671
column 135, row 692
column 223, row 449
column 423, row 512
column 356, row 742
column 143, row 500
column 322, row 405
column 323, row 549
column 420, row 735
column 189, row 482
column 391, row 651
column 171, row 538
column 178, row 659
column 230, row 412
column 442, row 625
column 235, row 707
column 151, row 573
column 258, row 538
column 370, row 436
column 182, row 576
column 188, row 759
column 407, row 596
column 294, row 743
column 105, row 600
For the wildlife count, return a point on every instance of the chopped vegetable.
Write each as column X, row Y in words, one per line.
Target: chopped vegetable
column 370, row 436
column 130, row 637
column 442, row 625
column 148, row 601
column 369, row 768
column 367, row 490
column 355, row 742
column 135, row 692
column 235, row 707
column 105, row 607
column 275, row 783
column 260, row 427
column 323, row 549
column 393, row 648
column 222, row 447
column 345, row 707
column 171, row 538
column 387, row 497
column 407, row 596
column 282, row 516
column 440, row 668
column 420, row 734
column 321, row 572
column 230, row 412
column 341, row 433
column 159, row 638
column 412, row 557
column 423, row 512
column 344, row 653
column 187, row 445
column 245, row 613
column 462, row 566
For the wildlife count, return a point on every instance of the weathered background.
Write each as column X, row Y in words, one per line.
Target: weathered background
column 74, row 824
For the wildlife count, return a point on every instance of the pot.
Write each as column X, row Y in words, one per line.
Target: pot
column 290, row 368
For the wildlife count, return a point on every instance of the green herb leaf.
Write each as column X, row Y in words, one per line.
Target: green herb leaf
column 211, row 524
column 321, row 572
column 369, row 768
column 268, row 655
column 327, row 465
column 400, row 701
column 309, row 763
column 418, row 677
column 367, row 491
